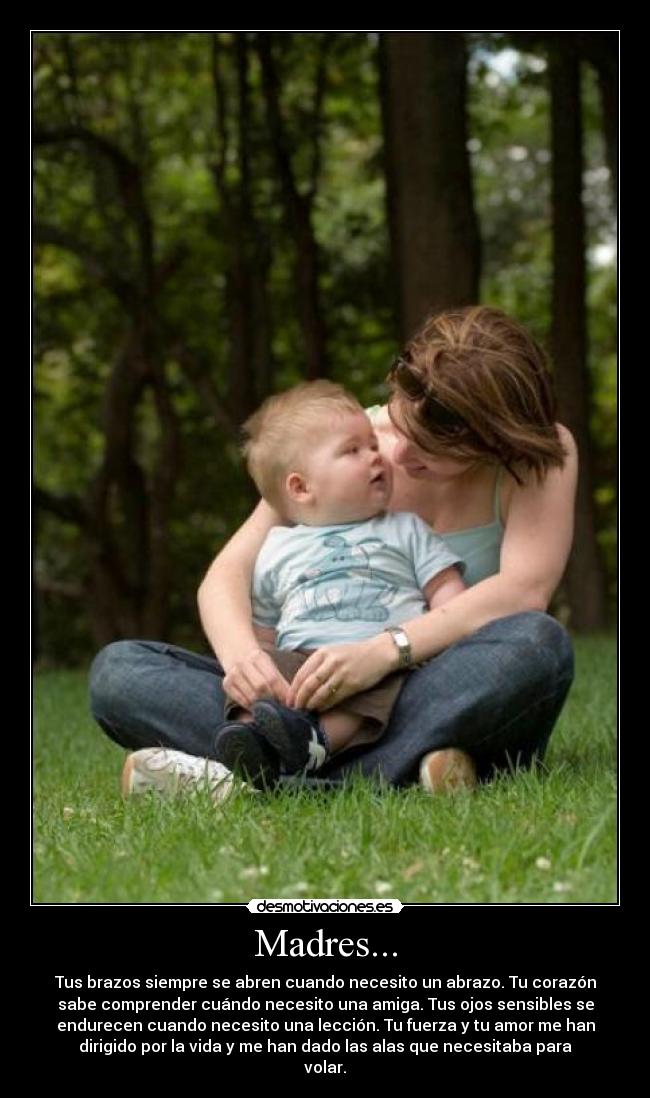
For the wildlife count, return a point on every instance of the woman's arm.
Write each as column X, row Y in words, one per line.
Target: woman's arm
column 536, row 545
column 225, row 611
column 535, row 549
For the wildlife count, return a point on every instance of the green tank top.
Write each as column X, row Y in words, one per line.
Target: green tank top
column 478, row 546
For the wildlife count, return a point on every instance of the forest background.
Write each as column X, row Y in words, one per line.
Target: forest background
column 220, row 214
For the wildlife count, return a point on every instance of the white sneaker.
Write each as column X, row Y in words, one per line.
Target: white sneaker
column 167, row 771
column 447, row 771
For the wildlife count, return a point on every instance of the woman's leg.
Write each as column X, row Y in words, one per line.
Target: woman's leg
column 497, row 695
column 146, row 694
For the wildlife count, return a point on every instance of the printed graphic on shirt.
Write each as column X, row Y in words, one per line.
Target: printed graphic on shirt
column 342, row 585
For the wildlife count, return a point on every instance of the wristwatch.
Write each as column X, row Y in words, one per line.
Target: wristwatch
column 403, row 645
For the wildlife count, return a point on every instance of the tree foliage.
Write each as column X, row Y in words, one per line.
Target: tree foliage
column 210, row 225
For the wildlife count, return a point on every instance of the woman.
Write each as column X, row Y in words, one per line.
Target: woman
column 470, row 430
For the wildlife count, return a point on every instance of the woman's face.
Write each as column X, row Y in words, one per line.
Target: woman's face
column 417, row 463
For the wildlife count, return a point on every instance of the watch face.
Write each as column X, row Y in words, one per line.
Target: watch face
column 403, row 645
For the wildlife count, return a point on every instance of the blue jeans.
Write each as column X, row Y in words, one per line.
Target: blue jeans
column 496, row 694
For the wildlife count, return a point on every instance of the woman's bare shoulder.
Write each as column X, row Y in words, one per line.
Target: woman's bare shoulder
column 379, row 417
column 568, row 442
column 558, row 481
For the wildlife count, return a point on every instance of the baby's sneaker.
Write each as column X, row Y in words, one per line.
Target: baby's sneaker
column 241, row 747
column 295, row 734
column 166, row 771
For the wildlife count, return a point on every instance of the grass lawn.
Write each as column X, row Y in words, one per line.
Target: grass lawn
column 530, row 839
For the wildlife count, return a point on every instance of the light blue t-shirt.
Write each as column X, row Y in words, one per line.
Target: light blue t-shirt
column 319, row 585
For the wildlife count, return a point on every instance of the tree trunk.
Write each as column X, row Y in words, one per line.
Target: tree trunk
column 607, row 70
column 250, row 374
column 585, row 575
column 125, row 516
column 298, row 208
column 434, row 234
column 117, row 507
column 600, row 49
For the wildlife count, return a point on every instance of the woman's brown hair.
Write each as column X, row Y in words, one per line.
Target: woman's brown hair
column 473, row 383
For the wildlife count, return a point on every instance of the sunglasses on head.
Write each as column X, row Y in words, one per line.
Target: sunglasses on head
column 413, row 387
column 437, row 416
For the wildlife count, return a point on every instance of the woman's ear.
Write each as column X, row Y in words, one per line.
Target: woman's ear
column 296, row 488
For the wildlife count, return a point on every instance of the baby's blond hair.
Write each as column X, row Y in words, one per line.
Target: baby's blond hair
column 278, row 434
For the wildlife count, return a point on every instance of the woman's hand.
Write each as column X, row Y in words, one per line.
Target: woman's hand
column 254, row 677
column 334, row 673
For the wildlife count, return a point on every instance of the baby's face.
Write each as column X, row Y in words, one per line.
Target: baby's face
column 345, row 472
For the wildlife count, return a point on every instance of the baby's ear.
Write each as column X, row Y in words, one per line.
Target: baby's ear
column 296, row 487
